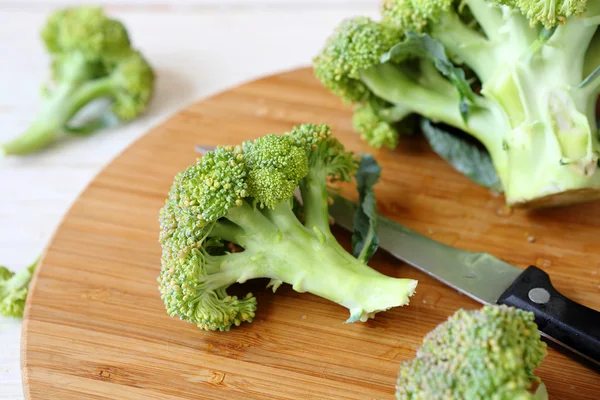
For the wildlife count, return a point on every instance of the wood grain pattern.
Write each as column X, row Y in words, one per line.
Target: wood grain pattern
column 95, row 326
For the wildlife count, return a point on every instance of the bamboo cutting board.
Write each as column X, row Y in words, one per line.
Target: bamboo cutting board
column 95, row 326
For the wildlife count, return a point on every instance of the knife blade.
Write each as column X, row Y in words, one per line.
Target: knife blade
column 480, row 276
column 569, row 326
column 566, row 325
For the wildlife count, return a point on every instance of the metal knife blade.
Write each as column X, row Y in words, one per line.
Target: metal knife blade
column 480, row 276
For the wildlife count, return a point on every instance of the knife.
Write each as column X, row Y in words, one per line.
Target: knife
column 565, row 324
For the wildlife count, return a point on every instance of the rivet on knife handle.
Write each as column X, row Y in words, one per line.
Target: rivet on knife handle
column 565, row 323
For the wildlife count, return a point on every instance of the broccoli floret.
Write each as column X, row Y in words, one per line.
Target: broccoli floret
column 373, row 128
column 549, row 13
column 519, row 76
column 380, row 124
column 413, row 15
column 92, row 59
column 14, row 288
column 490, row 353
column 357, row 44
column 230, row 218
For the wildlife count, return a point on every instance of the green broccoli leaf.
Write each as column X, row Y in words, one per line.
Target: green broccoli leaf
column 467, row 158
column 424, row 46
column 364, row 238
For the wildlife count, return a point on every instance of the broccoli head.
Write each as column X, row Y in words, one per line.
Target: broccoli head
column 490, row 353
column 92, row 59
column 356, row 45
column 413, row 15
column 521, row 77
column 14, row 288
column 231, row 217
column 86, row 31
column 548, row 13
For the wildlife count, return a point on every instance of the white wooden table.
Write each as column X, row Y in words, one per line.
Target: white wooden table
column 197, row 47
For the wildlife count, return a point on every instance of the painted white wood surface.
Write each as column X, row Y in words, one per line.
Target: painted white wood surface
column 195, row 51
column 195, row 3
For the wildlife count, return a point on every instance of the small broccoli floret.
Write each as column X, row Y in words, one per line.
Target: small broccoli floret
column 328, row 162
column 132, row 86
column 327, row 156
column 87, row 31
column 372, row 128
column 92, row 59
column 357, row 44
column 275, row 167
column 14, row 288
column 490, row 353
column 413, row 15
column 549, row 13
column 244, row 196
column 378, row 123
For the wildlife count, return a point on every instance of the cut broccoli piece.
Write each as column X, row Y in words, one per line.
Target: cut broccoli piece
column 490, row 353
column 244, row 195
column 14, row 288
column 92, row 59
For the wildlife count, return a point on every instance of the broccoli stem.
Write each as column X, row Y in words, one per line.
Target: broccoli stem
column 251, row 221
column 58, row 109
column 489, row 17
column 506, row 38
column 277, row 246
column 470, row 46
column 517, row 37
column 46, row 127
column 284, row 218
column 439, row 103
column 91, row 91
column 314, row 196
column 550, row 149
column 228, row 231
column 316, row 221
column 535, row 174
column 18, row 281
column 390, row 84
column 568, row 58
column 297, row 257
column 509, row 31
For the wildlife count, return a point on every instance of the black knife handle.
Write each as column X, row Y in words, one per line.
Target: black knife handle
column 565, row 323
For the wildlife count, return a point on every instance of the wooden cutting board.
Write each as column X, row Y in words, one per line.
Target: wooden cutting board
column 96, row 328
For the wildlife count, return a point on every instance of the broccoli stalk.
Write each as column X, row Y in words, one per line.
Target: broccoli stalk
column 92, row 59
column 244, row 196
column 535, row 68
column 489, row 353
column 14, row 288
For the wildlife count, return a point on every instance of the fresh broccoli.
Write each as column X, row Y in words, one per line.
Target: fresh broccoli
column 14, row 289
column 231, row 218
column 521, row 77
column 92, row 59
column 489, row 353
